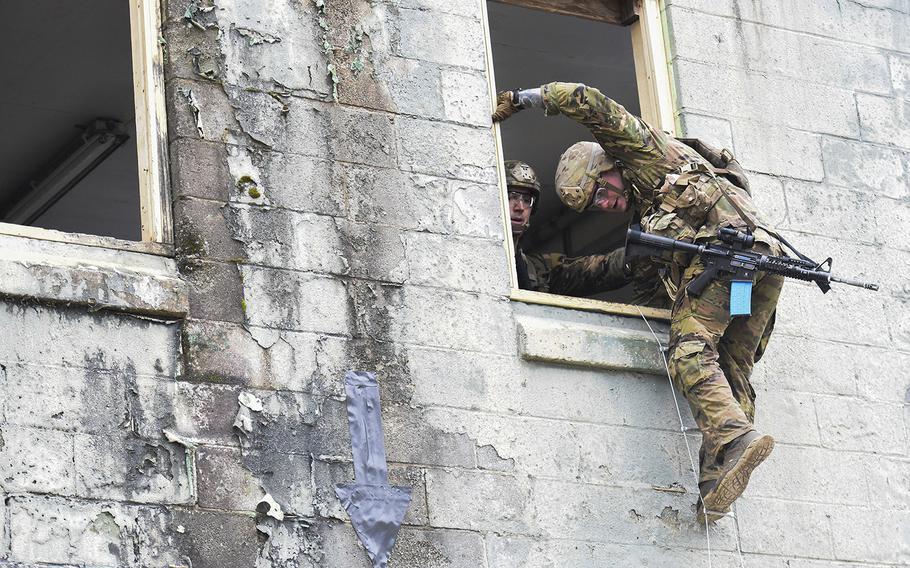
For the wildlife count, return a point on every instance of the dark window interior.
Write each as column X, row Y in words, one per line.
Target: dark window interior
column 68, row 145
column 533, row 47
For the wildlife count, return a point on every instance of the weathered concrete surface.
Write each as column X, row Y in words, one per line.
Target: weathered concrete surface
column 91, row 276
column 336, row 208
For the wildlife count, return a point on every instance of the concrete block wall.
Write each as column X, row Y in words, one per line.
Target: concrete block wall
column 813, row 98
column 336, row 206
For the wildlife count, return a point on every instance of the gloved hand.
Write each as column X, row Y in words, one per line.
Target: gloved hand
column 504, row 106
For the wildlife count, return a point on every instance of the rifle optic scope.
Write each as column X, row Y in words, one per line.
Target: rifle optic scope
column 733, row 237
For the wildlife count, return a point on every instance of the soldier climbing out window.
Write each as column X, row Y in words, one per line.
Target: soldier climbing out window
column 676, row 193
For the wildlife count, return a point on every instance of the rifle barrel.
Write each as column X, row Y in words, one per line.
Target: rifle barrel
column 857, row 283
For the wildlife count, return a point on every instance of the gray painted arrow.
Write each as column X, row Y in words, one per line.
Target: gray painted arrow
column 376, row 508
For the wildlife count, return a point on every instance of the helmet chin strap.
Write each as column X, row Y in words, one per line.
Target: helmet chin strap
column 516, row 234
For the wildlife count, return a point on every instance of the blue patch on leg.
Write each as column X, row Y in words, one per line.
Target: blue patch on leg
column 741, row 298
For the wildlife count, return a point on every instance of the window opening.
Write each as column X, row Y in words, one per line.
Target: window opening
column 531, row 47
column 70, row 152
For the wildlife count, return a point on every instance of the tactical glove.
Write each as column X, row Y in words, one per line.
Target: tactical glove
column 506, row 105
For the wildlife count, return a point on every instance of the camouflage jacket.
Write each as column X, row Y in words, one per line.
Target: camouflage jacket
column 580, row 276
column 673, row 188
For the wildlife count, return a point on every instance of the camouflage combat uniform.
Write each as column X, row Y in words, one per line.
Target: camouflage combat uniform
column 555, row 273
column 677, row 196
column 584, row 276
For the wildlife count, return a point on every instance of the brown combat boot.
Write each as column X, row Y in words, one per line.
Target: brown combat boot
column 705, row 487
column 741, row 457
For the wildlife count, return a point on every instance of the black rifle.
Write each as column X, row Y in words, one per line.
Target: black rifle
column 736, row 260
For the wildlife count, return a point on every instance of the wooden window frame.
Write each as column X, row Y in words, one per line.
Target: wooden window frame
column 151, row 146
column 656, row 98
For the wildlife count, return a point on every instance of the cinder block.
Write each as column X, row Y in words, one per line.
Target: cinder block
column 40, row 461
column 292, row 125
column 885, row 120
column 301, row 183
column 889, row 482
column 440, row 38
column 286, row 239
column 68, row 399
column 878, row 170
column 372, row 252
column 605, row 397
column 900, row 327
column 864, row 23
column 469, row 9
column 55, row 335
column 869, row 534
column 225, row 482
column 471, row 265
column 199, row 169
column 408, row 81
column 215, row 291
column 463, row 380
column 773, row 147
column 257, row 45
column 202, row 229
column 58, row 531
column 286, row 477
column 603, row 514
column 847, row 304
column 800, row 529
column 567, row 450
column 446, row 150
column 780, row 52
column 900, row 73
column 192, row 53
column 411, row 438
column 853, row 424
column 466, row 97
column 479, row 501
column 294, row 301
column 125, row 468
column 800, row 473
column 362, row 137
column 421, row 548
column 750, row 95
column 425, row 203
column 198, row 110
column 788, row 416
column 711, row 129
column 264, row 358
column 203, row 539
column 509, row 551
column 440, row 318
column 768, row 197
column 204, row 413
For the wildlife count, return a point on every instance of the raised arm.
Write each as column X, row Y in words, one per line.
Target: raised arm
column 621, row 133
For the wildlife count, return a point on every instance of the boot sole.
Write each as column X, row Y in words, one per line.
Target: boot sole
column 734, row 482
column 709, row 516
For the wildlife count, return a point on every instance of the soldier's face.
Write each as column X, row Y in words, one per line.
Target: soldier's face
column 520, row 204
column 610, row 194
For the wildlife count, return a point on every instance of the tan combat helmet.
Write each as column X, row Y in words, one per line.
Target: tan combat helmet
column 520, row 174
column 578, row 169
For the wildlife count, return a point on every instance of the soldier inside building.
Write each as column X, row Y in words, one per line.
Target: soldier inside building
column 553, row 272
column 676, row 193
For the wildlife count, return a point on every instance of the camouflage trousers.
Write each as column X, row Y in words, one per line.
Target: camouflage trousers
column 712, row 355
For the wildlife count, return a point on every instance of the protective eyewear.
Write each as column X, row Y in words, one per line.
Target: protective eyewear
column 526, row 198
